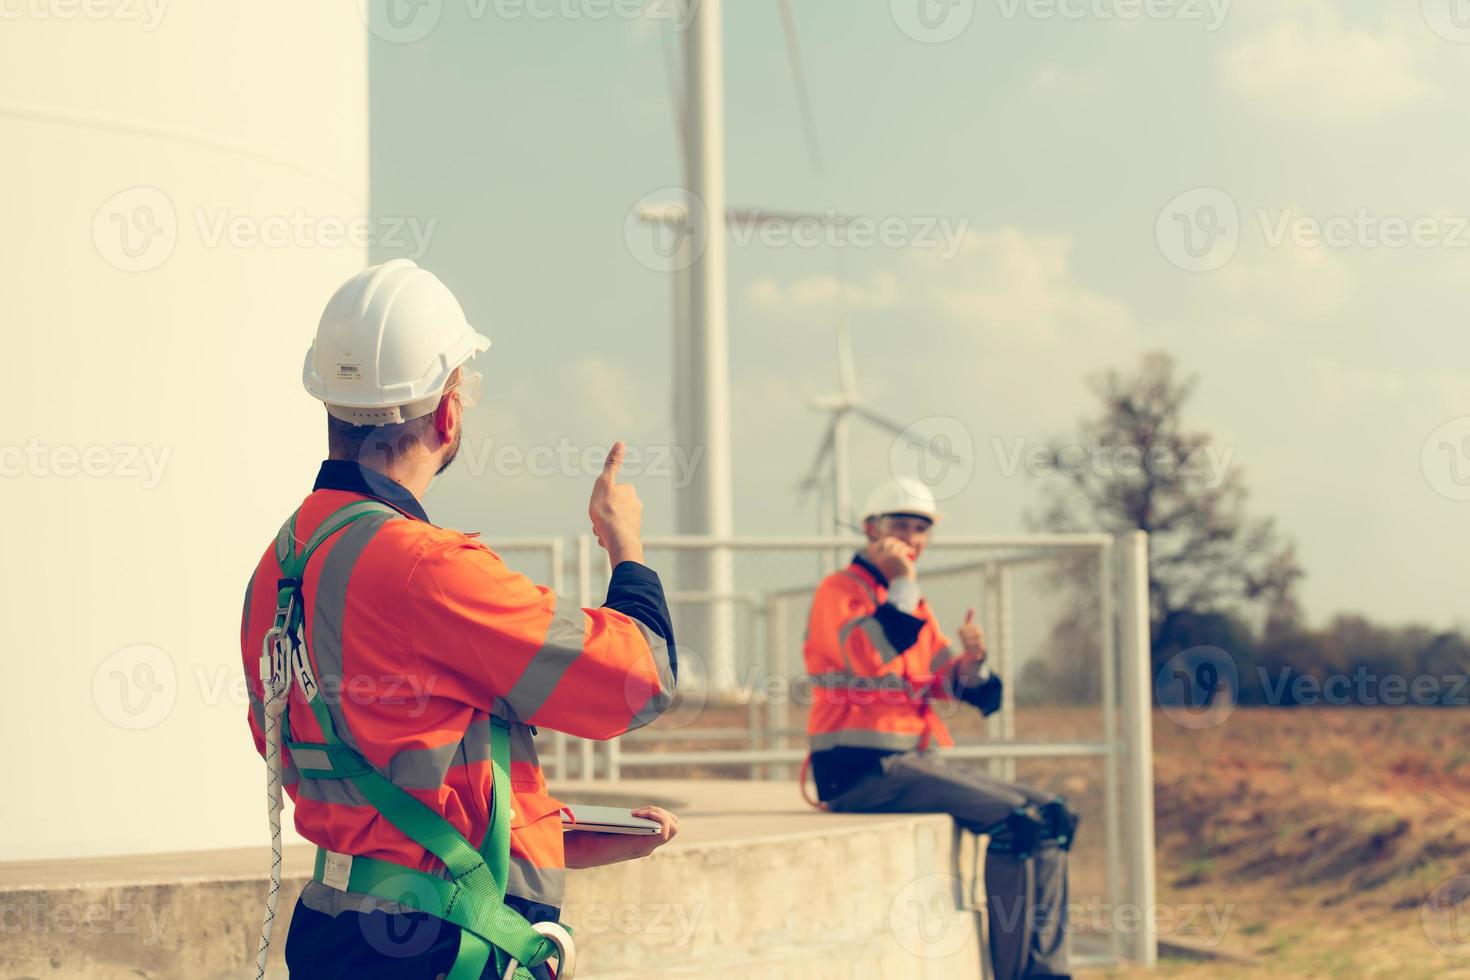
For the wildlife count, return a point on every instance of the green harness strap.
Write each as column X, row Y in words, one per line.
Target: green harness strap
column 473, row 897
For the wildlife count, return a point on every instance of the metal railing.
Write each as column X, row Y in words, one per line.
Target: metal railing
column 774, row 742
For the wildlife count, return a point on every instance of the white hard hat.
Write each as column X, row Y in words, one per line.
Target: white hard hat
column 903, row 495
column 388, row 342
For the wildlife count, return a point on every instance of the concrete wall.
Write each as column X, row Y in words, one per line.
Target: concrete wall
column 751, row 888
column 176, row 181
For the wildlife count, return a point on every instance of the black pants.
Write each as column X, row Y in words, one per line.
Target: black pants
column 375, row 945
column 1026, row 897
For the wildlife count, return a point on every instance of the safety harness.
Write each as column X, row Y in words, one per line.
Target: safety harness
column 473, row 896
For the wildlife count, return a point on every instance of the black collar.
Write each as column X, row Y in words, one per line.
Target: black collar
column 861, row 560
column 353, row 477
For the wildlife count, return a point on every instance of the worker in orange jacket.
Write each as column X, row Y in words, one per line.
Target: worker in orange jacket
column 879, row 662
column 417, row 654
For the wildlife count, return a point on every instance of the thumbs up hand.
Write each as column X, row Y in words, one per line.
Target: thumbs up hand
column 972, row 637
column 616, row 512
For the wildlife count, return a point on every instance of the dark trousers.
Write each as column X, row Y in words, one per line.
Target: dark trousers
column 1026, row 897
column 375, row 945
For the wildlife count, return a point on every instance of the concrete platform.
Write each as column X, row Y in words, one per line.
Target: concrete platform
column 757, row 884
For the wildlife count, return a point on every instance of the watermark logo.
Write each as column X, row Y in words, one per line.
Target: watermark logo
column 927, row 920
column 401, row 21
column 667, row 230
column 1211, row 13
column 1196, row 688
column 1450, row 19
column 126, row 462
column 136, row 687
column 932, row 21
column 1445, row 917
column 937, row 449
column 135, row 230
column 1199, row 230
column 1446, row 459
column 689, row 696
column 147, row 13
column 1207, row 463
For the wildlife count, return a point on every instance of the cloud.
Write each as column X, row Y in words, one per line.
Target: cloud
column 1311, row 65
column 1018, row 289
column 881, row 292
column 1081, row 84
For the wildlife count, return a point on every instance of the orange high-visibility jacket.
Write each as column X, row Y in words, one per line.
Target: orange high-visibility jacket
column 419, row 634
column 876, row 670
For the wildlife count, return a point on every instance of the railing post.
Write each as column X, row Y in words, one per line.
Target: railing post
column 1136, row 676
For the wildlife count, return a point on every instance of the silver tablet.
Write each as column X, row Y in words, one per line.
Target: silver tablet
column 606, row 820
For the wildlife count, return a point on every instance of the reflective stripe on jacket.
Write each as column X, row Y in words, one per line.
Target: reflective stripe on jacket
column 875, row 669
column 419, row 634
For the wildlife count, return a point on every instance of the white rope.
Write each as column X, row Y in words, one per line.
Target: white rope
column 275, row 682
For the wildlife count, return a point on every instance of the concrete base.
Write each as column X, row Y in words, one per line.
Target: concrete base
column 756, row 885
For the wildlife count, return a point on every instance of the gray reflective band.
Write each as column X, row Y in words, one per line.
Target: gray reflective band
column 872, row 595
column 285, row 546
column 312, row 759
column 544, row 885
column 658, row 647
column 325, row 645
column 940, row 658
column 874, row 632
column 340, row 792
column 865, row 738
column 565, row 635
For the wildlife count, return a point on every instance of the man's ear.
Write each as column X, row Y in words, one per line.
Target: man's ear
column 870, row 528
column 446, row 418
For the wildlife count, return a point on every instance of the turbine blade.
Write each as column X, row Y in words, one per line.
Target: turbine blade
column 798, row 77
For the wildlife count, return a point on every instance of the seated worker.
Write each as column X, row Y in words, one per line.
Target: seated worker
column 878, row 659
column 414, row 663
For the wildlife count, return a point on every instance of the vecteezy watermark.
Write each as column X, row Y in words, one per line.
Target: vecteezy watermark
column 406, row 21
column 937, row 449
column 1196, row 688
column 1364, row 688
column 1445, row 917
column 668, row 923
column 123, row 462
column 136, row 687
column 1210, row 13
column 39, row 913
column 1209, row 463
column 929, row 918
column 1450, row 19
column 668, row 230
column 567, row 459
column 1199, row 230
column 137, row 229
column 1364, row 229
column 932, row 21
column 148, row 14
column 1446, row 459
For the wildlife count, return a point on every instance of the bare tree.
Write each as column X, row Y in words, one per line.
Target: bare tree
column 1138, row 466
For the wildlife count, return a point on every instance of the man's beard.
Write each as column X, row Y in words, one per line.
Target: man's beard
column 458, row 438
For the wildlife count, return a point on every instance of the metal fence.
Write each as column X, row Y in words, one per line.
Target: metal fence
column 1023, row 587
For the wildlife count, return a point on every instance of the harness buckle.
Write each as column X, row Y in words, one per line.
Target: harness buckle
column 566, row 951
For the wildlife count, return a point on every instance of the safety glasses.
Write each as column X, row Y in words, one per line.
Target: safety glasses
column 468, row 388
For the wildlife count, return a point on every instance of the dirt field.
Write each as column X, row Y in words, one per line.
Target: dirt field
column 1322, row 831
column 1306, row 839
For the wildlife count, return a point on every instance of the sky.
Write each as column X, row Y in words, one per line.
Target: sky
column 1272, row 191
